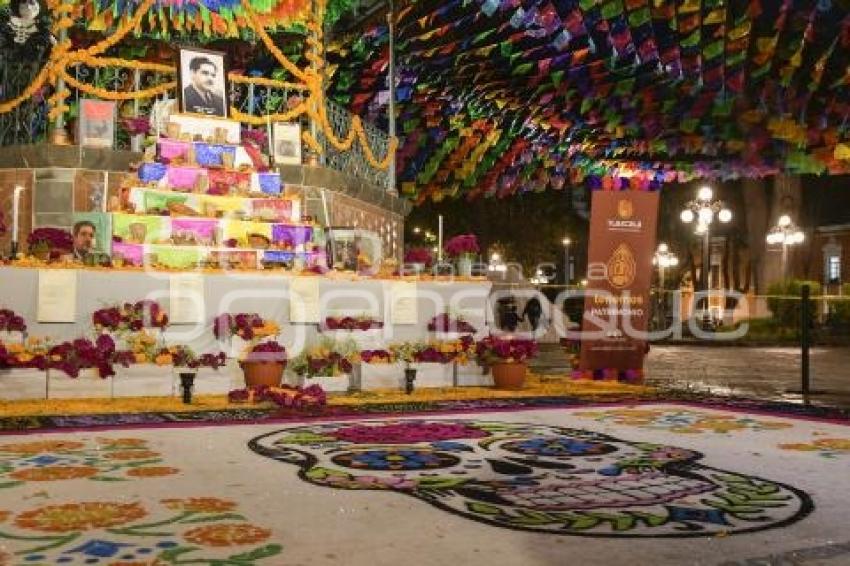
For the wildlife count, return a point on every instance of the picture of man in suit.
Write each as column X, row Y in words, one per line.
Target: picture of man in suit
column 204, row 95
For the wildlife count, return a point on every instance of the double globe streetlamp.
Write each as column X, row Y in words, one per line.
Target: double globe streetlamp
column 703, row 211
column 786, row 233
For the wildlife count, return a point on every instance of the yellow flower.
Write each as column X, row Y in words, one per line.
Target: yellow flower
column 15, row 348
column 140, row 358
column 123, row 442
column 227, row 535
column 79, row 516
column 52, row 473
column 163, row 360
column 200, row 505
column 152, row 472
column 833, row 443
column 41, row 446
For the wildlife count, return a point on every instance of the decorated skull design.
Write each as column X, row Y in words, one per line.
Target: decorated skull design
column 537, row 477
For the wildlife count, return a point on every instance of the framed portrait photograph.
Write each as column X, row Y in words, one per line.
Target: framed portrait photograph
column 96, row 123
column 202, row 76
column 286, row 138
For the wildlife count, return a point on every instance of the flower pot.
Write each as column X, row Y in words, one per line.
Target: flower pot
column 509, row 376
column 464, row 266
column 262, row 373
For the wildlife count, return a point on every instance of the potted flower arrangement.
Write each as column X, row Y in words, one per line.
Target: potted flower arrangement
column 243, row 330
column 506, row 357
column 463, row 247
column 328, row 359
column 10, row 322
column 416, row 260
column 130, row 317
column 407, row 352
column 362, row 323
column 263, row 364
column 50, row 243
column 450, row 327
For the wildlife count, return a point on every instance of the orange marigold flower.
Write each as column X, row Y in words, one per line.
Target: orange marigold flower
column 163, row 360
column 79, row 516
column 41, row 446
column 227, row 535
column 4, row 515
column 51, row 473
column 200, row 504
column 132, row 454
column 122, row 442
column 152, row 472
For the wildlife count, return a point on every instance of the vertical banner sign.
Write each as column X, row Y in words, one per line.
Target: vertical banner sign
column 619, row 275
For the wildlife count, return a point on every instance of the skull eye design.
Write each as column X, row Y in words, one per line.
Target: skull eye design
column 395, row 460
column 557, row 446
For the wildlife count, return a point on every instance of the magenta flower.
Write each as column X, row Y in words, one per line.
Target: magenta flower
column 462, row 244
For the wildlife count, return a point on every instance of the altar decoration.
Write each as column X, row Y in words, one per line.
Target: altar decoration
column 285, row 396
column 10, row 321
column 463, row 248
column 507, row 358
column 263, row 364
column 362, row 323
column 130, row 317
column 446, row 323
column 50, row 243
column 328, row 358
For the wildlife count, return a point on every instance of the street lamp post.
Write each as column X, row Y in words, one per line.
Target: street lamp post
column 703, row 211
column 786, row 233
column 663, row 259
column 566, row 242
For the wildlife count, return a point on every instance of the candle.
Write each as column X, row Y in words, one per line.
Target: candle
column 440, row 238
column 16, row 208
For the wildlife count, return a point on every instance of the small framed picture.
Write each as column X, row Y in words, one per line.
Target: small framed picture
column 287, row 143
column 202, row 82
column 97, row 123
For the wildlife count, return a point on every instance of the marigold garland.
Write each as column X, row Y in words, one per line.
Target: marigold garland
column 261, row 120
column 269, row 43
column 110, row 95
column 262, row 81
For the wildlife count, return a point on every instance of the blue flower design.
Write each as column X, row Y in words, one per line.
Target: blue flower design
column 558, row 446
column 99, row 548
column 688, row 514
column 395, row 460
column 44, row 460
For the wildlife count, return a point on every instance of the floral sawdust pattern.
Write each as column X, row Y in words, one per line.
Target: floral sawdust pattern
column 201, row 530
column 537, row 477
column 682, row 421
column 101, row 459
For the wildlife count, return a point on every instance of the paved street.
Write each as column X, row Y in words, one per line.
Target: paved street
column 766, row 373
column 752, row 372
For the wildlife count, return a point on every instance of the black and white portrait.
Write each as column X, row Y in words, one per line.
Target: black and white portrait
column 25, row 30
column 287, row 143
column 203, row 84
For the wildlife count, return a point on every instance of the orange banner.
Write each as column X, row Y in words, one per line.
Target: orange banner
column 617, row 305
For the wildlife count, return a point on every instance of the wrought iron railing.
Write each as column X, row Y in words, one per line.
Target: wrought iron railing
column 28, row 122
column 353, row 162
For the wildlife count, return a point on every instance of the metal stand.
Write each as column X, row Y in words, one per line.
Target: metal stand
column 805, row 340
column 409, row 378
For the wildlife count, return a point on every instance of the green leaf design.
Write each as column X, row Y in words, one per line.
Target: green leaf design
column 305, row 438
column 584, row 522
column 484, row 508
column 220, row 517
column 105, row 478
column 10, row 484
column 439, row 483
column 258, row 553
column 172, row 554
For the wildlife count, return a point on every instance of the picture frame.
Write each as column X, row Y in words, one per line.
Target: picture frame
column 286, row 143
column 202, row 82
column 96, row 124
